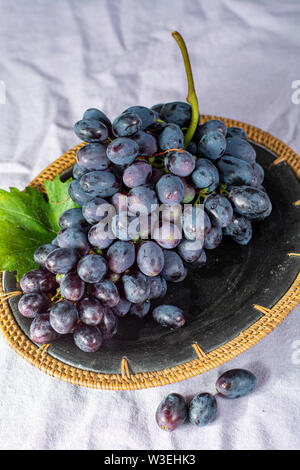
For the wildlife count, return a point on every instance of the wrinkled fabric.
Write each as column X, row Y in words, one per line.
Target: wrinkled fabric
column 59, row 58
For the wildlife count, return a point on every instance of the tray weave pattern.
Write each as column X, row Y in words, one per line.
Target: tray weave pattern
column 203, row 362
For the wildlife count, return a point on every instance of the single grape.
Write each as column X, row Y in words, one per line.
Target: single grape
column 205, row 175
column 122, row 308
column 73, row 218
column 96, row 114
column 147, row 116
column 167, row 235
column 195, row 223
column 173, row 267
column 240, row 229
column 180, row 164
column 183, row 276
column 158, row 287
column 219, row 209
column 88, row 338
column 150, row 258
column 202, row 409
column 127, row 124
column 100, row 183
column 124, row 227
column 93, row 157
column 91, row 130
column 119, row 201
column 63, row 317
column 92, row 268
column 30, row 305
column 259, row 174
column 38, row 280
column 120, row 256
column 170, row 190
column 236, row 383
column 240, row 148
column 140, row 310
column 137, row 174
column 72, row 287
column 177, row 112
column 171, row 137
column 141, row 200
column 252, row 203
column 107, row 292
column 100, row 235
column 77, row 194
column 122, row 151
column 62, row 260
column 96, row 209
column 212, row 145
column 90, row 311
column 109, row 324
column 41, row 332
column 234, row 171
column 42, row 252
column 136, row 287
column 78, row 172
column 171, row 412
column 200, row 261
column 213, row 237
column 236, row 132
column 190, row 250
column 169, row 316
column 146, row 142
column 73, row 238
column 212, row 125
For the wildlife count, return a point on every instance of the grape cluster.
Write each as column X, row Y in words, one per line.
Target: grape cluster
column 148, row 209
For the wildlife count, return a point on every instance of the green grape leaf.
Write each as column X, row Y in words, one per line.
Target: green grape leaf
column 28, row 220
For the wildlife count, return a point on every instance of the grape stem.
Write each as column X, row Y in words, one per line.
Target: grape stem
column 191, row 97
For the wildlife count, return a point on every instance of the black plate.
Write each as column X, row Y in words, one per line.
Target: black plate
column 217, row 299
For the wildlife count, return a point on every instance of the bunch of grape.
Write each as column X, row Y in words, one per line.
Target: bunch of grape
column 95, row 271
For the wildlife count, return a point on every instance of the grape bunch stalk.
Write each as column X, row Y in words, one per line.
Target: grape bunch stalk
column 154, row 190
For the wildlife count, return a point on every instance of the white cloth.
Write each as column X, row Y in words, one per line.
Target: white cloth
column 59, row 58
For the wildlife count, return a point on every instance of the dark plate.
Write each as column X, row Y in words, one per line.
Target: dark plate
column 217, row 299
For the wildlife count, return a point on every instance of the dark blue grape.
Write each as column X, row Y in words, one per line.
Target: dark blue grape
column 120, row 256
column 78, row 172
column 200, row 261
column 100, row 236
column 100, row 183
column 190, row 250
column 219, row 209
column 240, row 229
column 93, row 157
column 42, row 252
column 171, row 137
column 146, row 142
column 212, row 125
column 147, row 116
column 73, row 218
column 91, row 130
column 202, row 409
column 63, row 317
column 122, row 151
column 157, row 107
column 88, row 338
column 234, row 171
column 259, row 174
column 170, row 190
column 119, row 201
column 236, row 383
column 30, row 305
column 62, row 260
column 137, row 174
column 96, row 209
column 96, row 114
column 169, row 316
column 140, row 310
column 72, row 287
column 123, row 226
column 73, row 238
column 180, row 164
column 195, row 223
column 171, row 412
column 212, row 145
column 77, row 194
column 173, row 268
column 189, row 191
column 38, row 280
column 127, row 124
column 252, row 203
column 236, row 132
column 90, row 311
column 205, row 175
column 150, row 258
column 136, row 287
column 141, row 199
column 92, row 268
column 158, row 287
column 213, row 238
column 167, row 235
column 177, row 112
column 41, row 332
column 107, row 292
column 240, row 148
column 122, row 308
column 108, row 324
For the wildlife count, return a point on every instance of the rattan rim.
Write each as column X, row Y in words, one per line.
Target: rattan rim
column 270, row 319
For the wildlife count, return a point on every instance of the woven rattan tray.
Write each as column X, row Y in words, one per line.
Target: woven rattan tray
column 186, row 354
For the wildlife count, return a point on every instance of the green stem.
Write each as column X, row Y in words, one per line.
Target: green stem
column 191, row 97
